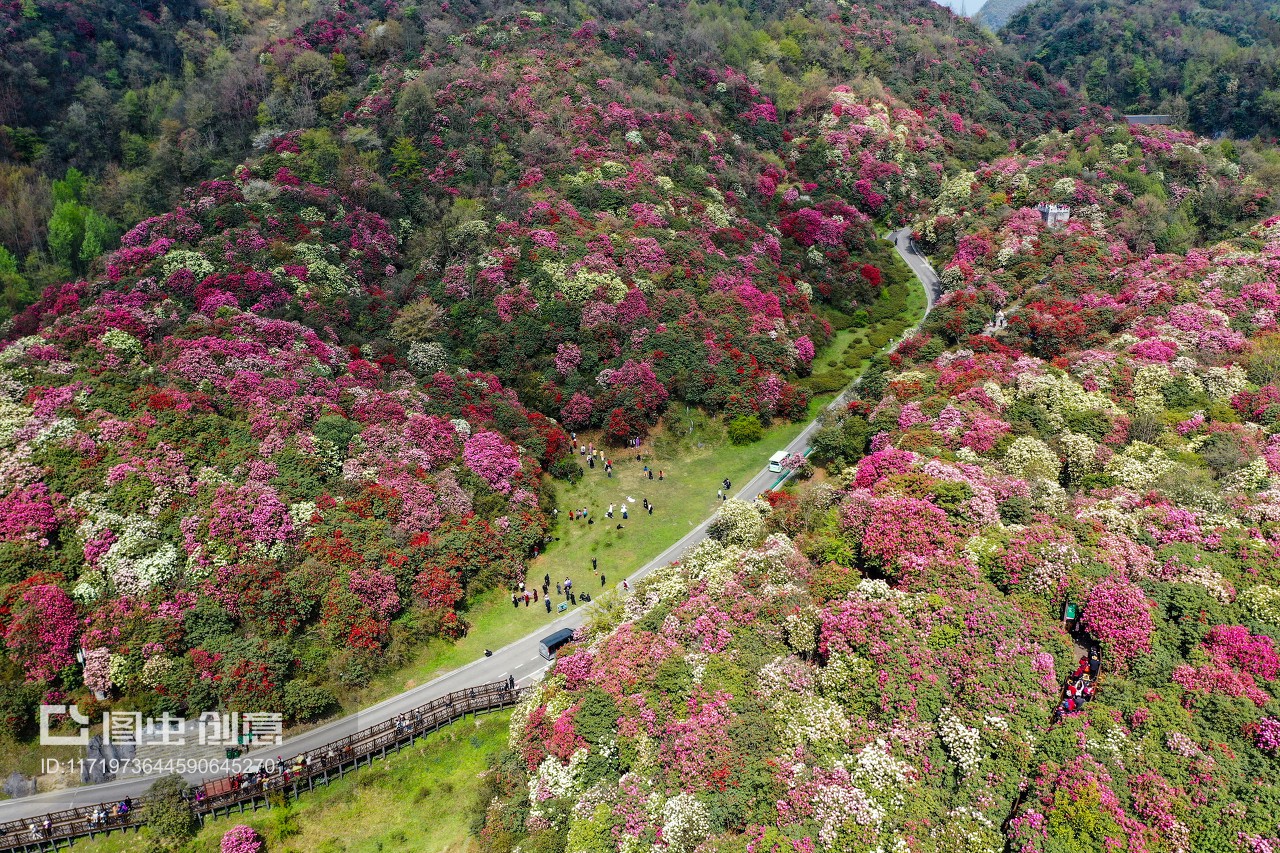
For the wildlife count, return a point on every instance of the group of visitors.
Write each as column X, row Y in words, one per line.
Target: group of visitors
column 523, row 593
column 1081, row 686
column 102, row 817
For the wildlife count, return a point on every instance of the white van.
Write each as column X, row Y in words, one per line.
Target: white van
column 775, row 461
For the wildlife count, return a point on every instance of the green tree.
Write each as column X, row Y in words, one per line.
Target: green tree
column 66, row 231
column 745, row 430
column 15, row 291
column 169, row 817
column 99, row 233
column 407, row 159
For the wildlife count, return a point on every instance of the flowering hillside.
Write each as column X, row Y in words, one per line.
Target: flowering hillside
column 284, row 430
column 202, row 479
column 874, row 663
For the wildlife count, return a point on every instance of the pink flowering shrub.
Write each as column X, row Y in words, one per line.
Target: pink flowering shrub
column 1268, row 737
column 28, row 514
column 40, row 628
column 492, row 458
column 1118, row 613
column 241, row 839
column 1233, row 645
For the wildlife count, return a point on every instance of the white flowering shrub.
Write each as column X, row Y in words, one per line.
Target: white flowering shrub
column 961, row 741
column 1262, row 603
column 685, row 823
column 301, row 514
column 712, row 562
column 1031, row 459
column 877, row 769
column 121, row 342
column 737, row 523
column 186, row 259
column 1251, row 478
column 1148, row 382
column 552, row 780
column 154, row 670
column 1139, row 466
column 667, row 583
column 12, row 418
column 1223, row 383
column 1064, row 189
column 836, row 806
column 1081, row 453
column 843, row 675
column 428, row 357
column 967, row 830
column 804, row 719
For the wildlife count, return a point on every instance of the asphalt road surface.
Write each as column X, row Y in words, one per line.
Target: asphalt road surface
column 519, row 659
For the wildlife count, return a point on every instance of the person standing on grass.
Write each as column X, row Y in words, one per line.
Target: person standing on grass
column 547, row 602
column 624, row 512
column 650, row 509
column 720, row 494
column 602, row 581
column 660, row 475
column 593, row 564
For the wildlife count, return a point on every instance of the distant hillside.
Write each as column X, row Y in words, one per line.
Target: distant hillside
column 996, row 13
column 1214, row 64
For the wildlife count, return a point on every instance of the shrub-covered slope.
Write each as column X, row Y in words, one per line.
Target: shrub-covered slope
column 1213, row 64
column 873, row 666
column 872, row 663
column 227, row 506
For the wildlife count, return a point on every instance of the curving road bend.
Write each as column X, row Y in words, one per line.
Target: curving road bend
column 519, row 660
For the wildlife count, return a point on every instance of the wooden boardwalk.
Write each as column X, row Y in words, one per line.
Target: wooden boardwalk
column 242, row 792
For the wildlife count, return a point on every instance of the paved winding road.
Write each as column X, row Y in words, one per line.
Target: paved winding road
column 519, row 659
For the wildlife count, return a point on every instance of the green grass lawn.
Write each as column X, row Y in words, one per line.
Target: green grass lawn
column 694, row 456
column 419, row 800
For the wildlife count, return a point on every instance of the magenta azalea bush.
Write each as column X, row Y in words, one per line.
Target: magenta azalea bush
column 241, row 839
